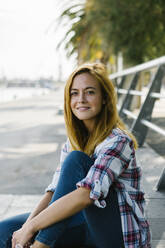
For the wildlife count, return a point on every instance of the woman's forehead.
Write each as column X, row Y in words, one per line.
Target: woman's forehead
column 85, row 79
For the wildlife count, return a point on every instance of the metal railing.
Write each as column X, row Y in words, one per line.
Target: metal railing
column 142, row 122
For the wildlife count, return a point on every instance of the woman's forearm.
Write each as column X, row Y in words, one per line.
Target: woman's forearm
column 42, row 205
column 62, row 208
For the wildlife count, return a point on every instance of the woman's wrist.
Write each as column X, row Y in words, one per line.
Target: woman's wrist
column 33, row 226
column 30, row 227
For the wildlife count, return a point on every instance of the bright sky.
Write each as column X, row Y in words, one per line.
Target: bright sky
column 28, row 39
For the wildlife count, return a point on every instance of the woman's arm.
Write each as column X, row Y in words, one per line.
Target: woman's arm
column 62, row 208
column 42, row 205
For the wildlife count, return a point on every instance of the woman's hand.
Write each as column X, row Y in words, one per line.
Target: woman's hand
column 23, row 236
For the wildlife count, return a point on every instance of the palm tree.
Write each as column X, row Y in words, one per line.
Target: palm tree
column 87, row 36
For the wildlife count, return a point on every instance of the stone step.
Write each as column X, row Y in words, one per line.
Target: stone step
column 16, row 204
column 158, row 244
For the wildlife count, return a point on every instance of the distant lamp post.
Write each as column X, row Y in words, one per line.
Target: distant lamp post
column 120, row 62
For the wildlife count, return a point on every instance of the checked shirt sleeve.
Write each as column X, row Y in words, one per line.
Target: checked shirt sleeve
column 64, row 152
column 111, row 161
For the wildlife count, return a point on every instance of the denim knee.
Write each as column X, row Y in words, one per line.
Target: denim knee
column 6, row 231
column 77, row 160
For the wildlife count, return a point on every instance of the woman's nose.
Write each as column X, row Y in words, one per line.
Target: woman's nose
column 81, row 97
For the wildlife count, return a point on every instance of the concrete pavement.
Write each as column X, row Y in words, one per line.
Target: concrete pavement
column 31, row 135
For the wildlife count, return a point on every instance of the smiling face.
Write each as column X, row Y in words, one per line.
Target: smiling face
column 86, row 99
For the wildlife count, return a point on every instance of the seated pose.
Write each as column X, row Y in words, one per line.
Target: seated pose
column 94, row 199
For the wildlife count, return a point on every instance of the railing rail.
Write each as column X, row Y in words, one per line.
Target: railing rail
column 138, row 68
column 141, row 122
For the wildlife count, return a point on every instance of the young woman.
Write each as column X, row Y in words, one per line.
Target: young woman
column 95, row 199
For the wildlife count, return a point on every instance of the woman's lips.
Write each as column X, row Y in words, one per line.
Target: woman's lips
column 82, row 108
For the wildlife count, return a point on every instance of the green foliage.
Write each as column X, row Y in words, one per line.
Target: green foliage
column 137, row 28
column 102, row 28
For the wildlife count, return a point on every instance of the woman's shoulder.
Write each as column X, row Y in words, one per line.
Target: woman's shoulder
column 120, row 134
column 114, row 138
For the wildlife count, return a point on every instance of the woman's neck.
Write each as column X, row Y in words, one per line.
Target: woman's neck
column 89, row 125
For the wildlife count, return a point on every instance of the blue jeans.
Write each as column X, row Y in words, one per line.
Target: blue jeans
column 93, row 227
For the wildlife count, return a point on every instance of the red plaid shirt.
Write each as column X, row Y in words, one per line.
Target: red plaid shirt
column 115, row 163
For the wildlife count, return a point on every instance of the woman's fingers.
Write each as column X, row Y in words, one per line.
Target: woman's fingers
column 16, row 240
column 22, row 238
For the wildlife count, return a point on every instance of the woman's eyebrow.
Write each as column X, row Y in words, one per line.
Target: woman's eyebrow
column 90, row 87
column 73, row 89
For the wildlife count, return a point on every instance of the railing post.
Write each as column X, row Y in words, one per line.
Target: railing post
column 120, row 86
column 138, row 129
column 161, row 183
column 128, row 98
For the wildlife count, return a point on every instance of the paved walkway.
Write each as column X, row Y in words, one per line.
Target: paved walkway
column 31, row 135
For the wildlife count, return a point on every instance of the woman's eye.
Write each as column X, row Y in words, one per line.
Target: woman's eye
column 90, row 92
column 74, row 93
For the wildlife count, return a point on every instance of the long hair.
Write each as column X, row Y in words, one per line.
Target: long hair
column 107, row 119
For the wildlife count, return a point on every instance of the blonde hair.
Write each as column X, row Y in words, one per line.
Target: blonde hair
column 107, row 119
